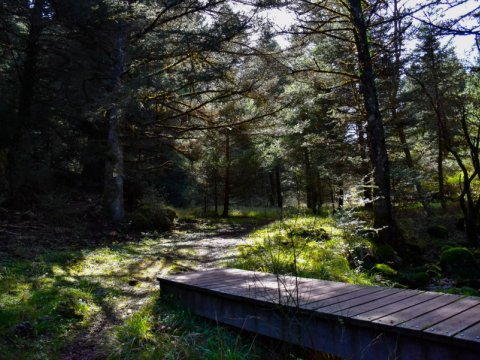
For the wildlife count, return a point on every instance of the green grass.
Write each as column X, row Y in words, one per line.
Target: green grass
column 50, row 299
column 161, row 330
column 305, row 245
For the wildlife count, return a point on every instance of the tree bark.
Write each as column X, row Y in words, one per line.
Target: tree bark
column 310, row 184
column 21, row 152
column 441, row 182
column 215, row 191
column 340, row 195
column 272, row 188
column 114, row 168
column 383, row 217
column 226, row 193
column 278, row 186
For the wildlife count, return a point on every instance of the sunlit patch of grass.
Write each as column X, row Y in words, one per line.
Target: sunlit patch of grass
column 305, row 245
column 161, row 330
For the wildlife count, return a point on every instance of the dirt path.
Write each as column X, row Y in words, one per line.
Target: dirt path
column 190, row 246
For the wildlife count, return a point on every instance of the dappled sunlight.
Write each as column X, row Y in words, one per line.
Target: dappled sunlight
column 83, row 296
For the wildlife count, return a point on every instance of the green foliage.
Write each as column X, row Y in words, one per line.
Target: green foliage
column 292, row 246
column 459, row 262
column 152, row 217
column 162, row 330
column 385, row 270
column 465, row 290
column 49, row 301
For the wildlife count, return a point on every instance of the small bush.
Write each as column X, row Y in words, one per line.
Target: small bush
column 152, row 217
column 459, row 262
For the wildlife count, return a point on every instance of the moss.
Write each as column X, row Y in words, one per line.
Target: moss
column 152, row 217
column 459, row 262
column 384, row 269
column 464, row 291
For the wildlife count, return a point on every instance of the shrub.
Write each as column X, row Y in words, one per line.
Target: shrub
column 459, row 262
column 152, row 217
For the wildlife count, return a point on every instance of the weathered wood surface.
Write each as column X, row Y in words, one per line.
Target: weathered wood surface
column 352, row 321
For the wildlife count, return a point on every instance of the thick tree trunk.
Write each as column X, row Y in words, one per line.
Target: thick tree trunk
column 114, row 167
column 20, row 154
column 382, row 210
column 226, row 193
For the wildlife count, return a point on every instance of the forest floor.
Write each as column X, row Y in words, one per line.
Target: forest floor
column 72, row 288
column 197, row 245
column 68, row 292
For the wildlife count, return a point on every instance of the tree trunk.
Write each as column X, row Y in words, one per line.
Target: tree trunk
column 441, row 186
column 332, row 197
column 397, row 42
column 382, row 210
column 226, row 193
column 410, row 165
column 340, row 195
column 278, row 186
column 20, row 155
column 310, row 184
column 215, row 191
column 367, row 186
column 272, row 189
column 114, row 167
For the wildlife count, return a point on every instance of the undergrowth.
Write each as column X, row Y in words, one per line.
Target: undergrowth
column 162, row 330
column 51, row 297
column 306, row 246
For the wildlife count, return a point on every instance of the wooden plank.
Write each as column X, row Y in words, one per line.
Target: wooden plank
column 434, row 317
column 394, row 298
column 267, row 290
column 470, row 334
column 457, row 323
column 342, row 294
column 383, row 311
column 228, row 280
column 193, row 278
column 417, row 310
column 332, row 306
column 270, row 307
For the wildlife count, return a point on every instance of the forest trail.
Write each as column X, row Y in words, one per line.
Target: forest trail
column 190, row 246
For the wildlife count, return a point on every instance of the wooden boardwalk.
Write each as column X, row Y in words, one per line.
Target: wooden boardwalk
column 351, row 321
